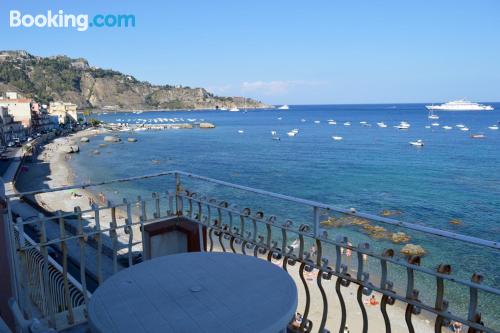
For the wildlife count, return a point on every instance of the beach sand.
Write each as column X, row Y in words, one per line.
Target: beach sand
column 52, row 170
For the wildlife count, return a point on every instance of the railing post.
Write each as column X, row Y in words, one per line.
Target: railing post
column 316, row 221
column 177, row 193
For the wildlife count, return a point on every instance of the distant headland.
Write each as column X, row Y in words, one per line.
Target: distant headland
column 74, row 80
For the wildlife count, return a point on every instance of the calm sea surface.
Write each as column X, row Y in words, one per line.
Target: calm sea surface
column 372, row 168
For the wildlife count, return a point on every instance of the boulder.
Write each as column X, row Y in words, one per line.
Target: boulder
column 71, row 149
column 387, row 212
column 84, row 139
column 132, row 140
column 207, row 125
column 103, row 145
column 400, row 237
column 111, row 138
column 413, row 250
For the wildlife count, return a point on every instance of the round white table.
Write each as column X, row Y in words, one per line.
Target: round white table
column 195, row 292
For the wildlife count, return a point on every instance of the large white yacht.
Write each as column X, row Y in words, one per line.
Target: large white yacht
column 460, row 105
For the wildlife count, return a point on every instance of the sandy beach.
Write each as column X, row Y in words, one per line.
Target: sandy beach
column 53, row 170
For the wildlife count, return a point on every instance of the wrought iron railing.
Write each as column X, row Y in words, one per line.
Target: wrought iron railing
column 335, row 278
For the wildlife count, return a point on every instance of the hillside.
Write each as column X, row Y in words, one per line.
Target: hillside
column 61, row 78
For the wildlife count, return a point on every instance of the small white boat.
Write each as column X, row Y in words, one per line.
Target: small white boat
column 332, row 122
column 432, row 115
column 418, row 143
column 403, row 125
column 291, row 133
column 381, row 124
column 363, row 122
column 347, row 123
column 465, row 129
column 303, row 120
column 235, row 109
column 273, row 133
column 460, row 125
column 447, row 127
column 241, row 131
column 478, row 136
column 337, row 138
column 435, row 124
column 284, row 107
column 223, row 109
column 427, row 127
column 279, row 118
column 493, row 128
column 316, row 121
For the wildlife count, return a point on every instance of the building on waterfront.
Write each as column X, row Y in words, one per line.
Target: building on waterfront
column 19, row 108
column 40, row 118
column 63, row 113
column 9, row 128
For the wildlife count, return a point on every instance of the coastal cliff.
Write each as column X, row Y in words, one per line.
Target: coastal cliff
column 74, row 80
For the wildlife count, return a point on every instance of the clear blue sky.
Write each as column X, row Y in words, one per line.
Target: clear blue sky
column 295, row 52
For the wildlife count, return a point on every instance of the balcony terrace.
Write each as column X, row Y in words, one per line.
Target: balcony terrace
column 338, row 258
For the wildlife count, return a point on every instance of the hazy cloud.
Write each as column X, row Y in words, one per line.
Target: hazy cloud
column 274, row 88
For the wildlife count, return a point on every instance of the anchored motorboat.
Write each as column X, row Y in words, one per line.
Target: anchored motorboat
column 337, row 138
column 478, row 136
column 447, row 127
column 493, row 128
column 381, row 124
column 403, row 125
column 284, row 107
column 418, row 143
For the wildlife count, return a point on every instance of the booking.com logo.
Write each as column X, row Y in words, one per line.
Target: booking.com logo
column 80, row 22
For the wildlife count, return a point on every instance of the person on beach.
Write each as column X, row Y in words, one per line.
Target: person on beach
column 313, row 251
column 102, row 198
column 456, row 326
column 297, row 320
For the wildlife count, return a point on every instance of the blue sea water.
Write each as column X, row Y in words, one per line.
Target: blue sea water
column 452, row 177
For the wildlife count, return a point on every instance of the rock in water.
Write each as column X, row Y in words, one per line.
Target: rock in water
column 71, row 149
column 111, row 138
column 207, row 125
column 96, row 152
column 413, row 250
column 400, row 237
column 84, row 139
column 132, row 140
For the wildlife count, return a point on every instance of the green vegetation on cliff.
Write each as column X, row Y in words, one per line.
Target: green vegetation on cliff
column 74, row 80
